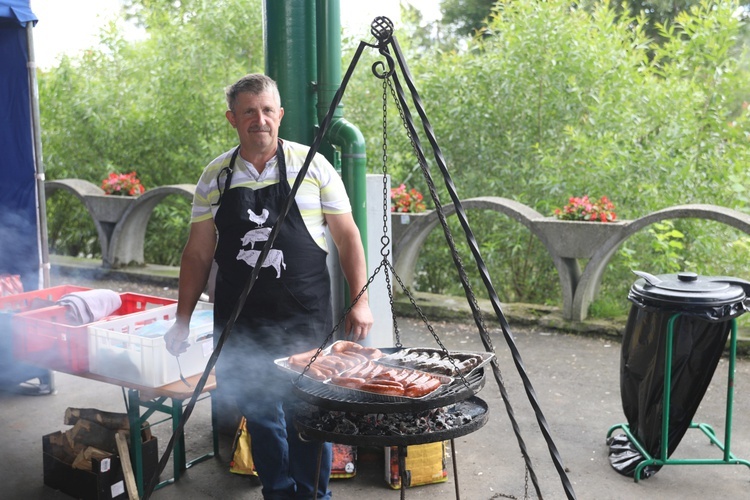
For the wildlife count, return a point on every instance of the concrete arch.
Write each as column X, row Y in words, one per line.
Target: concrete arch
column 578, row 287
column 129, row 235
column 120, row 221
column 406, row 248
column 86, row 192
column 591, row 277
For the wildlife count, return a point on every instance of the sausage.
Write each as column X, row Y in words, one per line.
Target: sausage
column 352, row 382
column 371, row 352
column 362, row 358
column 391, row 383
column 389, row 374
column 386, row 390
column 377, row 370
column 419, row 390
column 406, row 376
column 345, row 345
column 331, row 362
column 302, row 358
column 363, row 370
column 422, row 379
column 411, row 378
column 317, row 373
column 350, row 361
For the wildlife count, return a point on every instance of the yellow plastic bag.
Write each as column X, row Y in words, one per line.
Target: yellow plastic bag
column 242, row 457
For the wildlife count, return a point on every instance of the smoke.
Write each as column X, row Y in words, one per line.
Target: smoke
column 19, row 251
column 18, row 255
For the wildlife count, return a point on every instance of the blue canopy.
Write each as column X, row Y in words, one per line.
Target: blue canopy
column 20, row 208
column 17, row 12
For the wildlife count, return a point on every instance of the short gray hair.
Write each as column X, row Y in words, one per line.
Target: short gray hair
column 255, row 84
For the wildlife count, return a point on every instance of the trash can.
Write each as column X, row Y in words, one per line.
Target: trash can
column 676, row 332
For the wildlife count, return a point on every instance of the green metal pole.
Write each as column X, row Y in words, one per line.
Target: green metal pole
column 289, row 47
column 341, row 133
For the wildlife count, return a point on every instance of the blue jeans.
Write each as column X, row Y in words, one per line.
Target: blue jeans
column 286, row 465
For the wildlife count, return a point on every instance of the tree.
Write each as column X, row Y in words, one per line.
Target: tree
column 563, row 102
column 466, row 17
column 155, row 105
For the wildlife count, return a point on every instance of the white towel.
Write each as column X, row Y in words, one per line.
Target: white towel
column 90, row 305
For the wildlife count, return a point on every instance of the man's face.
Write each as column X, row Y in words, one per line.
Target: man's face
column 257, row 119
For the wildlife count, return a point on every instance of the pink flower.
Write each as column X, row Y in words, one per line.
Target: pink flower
column 407, row 201
column 122, row 184
column 583, row 208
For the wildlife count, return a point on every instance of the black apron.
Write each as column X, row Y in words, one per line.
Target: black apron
column 288, row 309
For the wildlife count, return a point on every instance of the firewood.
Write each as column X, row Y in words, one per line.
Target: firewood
column 110, row 420
column 81, row 463
column 84, row 459
column 60, row 448
column 127, row 467
column 86, row 433
column 146, row 432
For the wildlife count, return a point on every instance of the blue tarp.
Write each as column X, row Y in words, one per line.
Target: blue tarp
column 19, row 245
column 16, row 12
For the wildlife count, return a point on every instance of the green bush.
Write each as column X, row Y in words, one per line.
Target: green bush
column 558, row 102
column 550, row 102
column 154, row 106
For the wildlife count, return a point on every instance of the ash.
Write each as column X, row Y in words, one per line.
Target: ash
column 384, row 424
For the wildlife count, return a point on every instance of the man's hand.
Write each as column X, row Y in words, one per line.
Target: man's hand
column 176, row 338
column 358, row 322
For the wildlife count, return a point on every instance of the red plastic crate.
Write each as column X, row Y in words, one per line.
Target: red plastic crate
column 46, row 337
column 22, row 302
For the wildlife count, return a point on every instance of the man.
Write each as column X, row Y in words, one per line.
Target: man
column 237, row 201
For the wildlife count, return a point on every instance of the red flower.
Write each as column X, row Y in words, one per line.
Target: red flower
column 123, row 184
column 407, row 201
column 583, row 208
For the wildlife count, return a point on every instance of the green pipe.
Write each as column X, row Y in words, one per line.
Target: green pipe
column 341, row 133
column 289, row 48
column 302, row 46
column 353, row 169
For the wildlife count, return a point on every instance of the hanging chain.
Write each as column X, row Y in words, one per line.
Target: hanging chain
column 386, row 211
column 441, row 217
column 526, row 482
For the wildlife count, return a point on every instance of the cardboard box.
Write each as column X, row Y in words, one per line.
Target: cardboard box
column 105, row 481
column 425, row 464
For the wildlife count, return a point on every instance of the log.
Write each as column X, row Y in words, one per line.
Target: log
column 83, row 460
column 127, row 468
column 60, row 448
column 110, row 420
column 146, row 432
column 86, row 433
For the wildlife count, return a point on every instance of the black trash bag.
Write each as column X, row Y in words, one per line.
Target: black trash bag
column 697, row 348
column 624, row 457
column 700, row 335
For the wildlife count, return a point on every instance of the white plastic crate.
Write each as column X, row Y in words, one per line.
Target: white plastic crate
column 132, row 349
